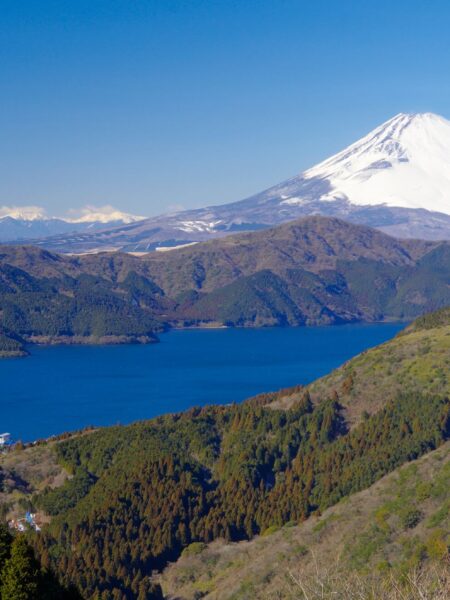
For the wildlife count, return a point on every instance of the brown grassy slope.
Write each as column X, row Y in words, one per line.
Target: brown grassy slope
column 392, row 527
column 420, row 360
column 41, row 263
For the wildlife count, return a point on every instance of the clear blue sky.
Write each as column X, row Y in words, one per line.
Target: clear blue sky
column 147, row 104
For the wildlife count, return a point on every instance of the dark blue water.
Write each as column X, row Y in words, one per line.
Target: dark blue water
column 61, row 388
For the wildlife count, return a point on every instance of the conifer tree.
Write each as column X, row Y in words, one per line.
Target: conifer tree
column 20, row 576
column 5, row 545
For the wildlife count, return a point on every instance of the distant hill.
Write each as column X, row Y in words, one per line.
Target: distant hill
column 314, row 271
column 315, row 244
column 65, row 304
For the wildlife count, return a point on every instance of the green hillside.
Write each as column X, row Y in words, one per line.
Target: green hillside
column 417, row 358
column 389, row 541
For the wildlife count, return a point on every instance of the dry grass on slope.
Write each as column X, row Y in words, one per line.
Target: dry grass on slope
column 389, row 542
column 431, row 583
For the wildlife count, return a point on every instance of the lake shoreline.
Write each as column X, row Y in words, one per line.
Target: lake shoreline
column 114, row 340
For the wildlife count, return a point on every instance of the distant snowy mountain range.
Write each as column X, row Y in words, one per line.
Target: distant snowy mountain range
column 397, row 178
column 22, row 223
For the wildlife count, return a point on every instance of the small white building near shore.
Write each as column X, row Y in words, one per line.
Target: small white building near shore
column 5, row 438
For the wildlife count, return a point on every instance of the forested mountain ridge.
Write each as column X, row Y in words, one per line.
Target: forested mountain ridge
column 140, row 494
column 314, row 271
column 48, row 299
column 315, row 244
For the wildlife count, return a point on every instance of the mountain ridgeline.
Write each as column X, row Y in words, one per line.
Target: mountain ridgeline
column 313, row 271
column 141, row 494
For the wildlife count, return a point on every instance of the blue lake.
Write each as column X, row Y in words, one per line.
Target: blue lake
column 61, row 388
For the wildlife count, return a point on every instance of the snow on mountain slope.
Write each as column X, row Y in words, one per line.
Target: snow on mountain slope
column 403, row 163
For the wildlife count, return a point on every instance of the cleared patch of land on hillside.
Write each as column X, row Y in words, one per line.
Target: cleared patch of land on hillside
column 24, row 472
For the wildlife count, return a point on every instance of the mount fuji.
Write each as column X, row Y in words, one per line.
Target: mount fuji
column 404, row 163
column 396, row 178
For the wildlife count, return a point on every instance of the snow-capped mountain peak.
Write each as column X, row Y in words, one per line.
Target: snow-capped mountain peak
column 24, row 213
column 101, row 214
column 403, row 163
column 32, row 222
